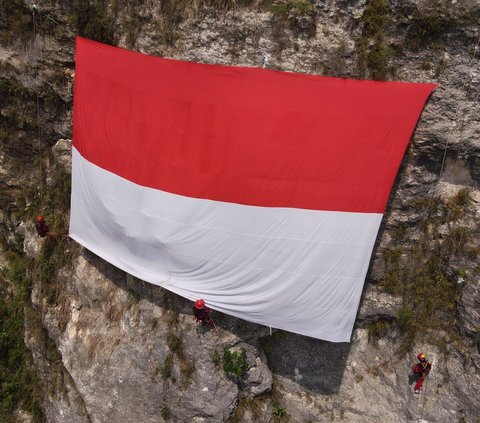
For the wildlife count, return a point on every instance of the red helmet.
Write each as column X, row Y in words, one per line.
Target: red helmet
column 199, row 304
column 422, row 357
column 39, row 218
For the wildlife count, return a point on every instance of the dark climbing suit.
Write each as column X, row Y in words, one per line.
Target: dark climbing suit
column 202, row 315
column 42, row 228
column 421, row 370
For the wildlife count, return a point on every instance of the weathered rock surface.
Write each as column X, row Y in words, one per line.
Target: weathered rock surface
column 469, row 307
column 121, row 350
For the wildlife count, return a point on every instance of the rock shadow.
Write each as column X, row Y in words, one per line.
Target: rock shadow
column 136, row 287
column 312, row 363
column 315, row 364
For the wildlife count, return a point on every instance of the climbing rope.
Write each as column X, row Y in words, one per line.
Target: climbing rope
column 36, row 12
column 37, row 105
column 424, row 398
column 456, row 116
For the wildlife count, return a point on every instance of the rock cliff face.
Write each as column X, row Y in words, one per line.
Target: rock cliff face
column 109, row 348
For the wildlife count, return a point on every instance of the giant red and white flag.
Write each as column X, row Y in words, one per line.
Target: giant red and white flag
column 260, row 191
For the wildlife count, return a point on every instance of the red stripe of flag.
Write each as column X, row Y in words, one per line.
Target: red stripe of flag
column 242, row 135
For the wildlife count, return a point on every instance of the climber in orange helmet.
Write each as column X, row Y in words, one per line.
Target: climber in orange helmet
column 421, row 370
column 202, row 313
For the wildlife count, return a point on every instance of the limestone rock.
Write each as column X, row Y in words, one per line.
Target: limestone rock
column 376, row 304
column 469, row 308
column 32, row 243
column 62, row 154
column 126, row 351
column 258, row 379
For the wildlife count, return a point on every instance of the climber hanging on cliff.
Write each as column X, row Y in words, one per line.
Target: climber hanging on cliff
column 202, row 313
column 42, row 227
column 421, row 370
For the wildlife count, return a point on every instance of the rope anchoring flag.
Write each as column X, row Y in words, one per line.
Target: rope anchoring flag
column 260, row 191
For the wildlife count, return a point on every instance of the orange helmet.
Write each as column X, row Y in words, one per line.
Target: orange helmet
column 422, row 357
column 39, row 218
column 199, row 304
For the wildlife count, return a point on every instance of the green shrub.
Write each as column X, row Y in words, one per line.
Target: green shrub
column 235, row 362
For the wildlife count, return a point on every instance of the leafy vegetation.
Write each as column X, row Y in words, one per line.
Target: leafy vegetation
column 19, row 385
column 235, row 362
column 372, row 50
column 426, row 272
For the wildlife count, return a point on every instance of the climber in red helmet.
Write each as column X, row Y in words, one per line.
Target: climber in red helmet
column 42, row 227
column 202, row 313
column 421, row 370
